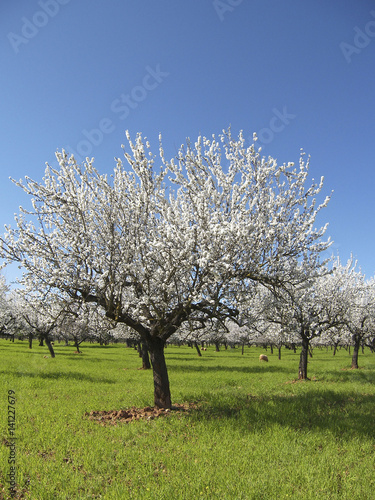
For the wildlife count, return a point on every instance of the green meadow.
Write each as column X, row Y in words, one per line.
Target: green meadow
column 254, row 432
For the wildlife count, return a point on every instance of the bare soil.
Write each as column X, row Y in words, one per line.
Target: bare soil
column 114, row 417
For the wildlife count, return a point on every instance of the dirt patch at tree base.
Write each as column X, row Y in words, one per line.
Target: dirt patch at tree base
column 114, row 417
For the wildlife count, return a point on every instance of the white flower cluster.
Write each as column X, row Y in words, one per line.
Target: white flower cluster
column 155, row 246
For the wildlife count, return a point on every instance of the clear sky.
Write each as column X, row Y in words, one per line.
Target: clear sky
column 75, row 74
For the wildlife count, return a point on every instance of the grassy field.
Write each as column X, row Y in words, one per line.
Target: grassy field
column 256, row 433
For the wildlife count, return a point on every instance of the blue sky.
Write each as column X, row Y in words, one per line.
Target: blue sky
column 76, row 74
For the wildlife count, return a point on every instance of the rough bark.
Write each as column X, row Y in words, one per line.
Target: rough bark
column 162, row 394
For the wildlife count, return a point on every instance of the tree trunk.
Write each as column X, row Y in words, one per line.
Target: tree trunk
column 49, row 345
column 335, row 348
column 355, row 352
column 30, row 340
column 217, row 348
column 162, row 395
column 280, row 352
column 271, row 346
column 146, row 365
column 243, row 348
column 302, row 370
column 77, row 345
column 197, row 348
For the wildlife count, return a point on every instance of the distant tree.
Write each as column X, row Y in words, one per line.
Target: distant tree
column 79, row 322
column 309, row 310
column 355, row 296
column 6, row 310
column 39, row 317
column 360, row 317
column 154, row 247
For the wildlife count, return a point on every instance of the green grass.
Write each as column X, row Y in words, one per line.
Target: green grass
column 258, row 433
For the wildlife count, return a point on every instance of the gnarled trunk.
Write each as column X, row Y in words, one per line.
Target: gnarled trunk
column 162, row 394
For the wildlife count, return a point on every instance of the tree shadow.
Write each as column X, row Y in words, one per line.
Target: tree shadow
column 343, row 414
column 56, row 376
column 81, row 356
column 262, row 368
column 350, row 375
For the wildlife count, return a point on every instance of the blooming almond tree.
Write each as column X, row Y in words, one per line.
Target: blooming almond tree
column 155, row 246
column 355, row 296
column 360, row 312
column 6, row 309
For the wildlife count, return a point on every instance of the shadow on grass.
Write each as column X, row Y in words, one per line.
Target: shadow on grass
column 56, row 376
column 342, row 414
column 82, row 357
column 262, row 368
column 350, row 375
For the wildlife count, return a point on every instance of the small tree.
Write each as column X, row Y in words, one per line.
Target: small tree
column 7, row 317
column 360, row 320
column 309, row 309
column 154, row 247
